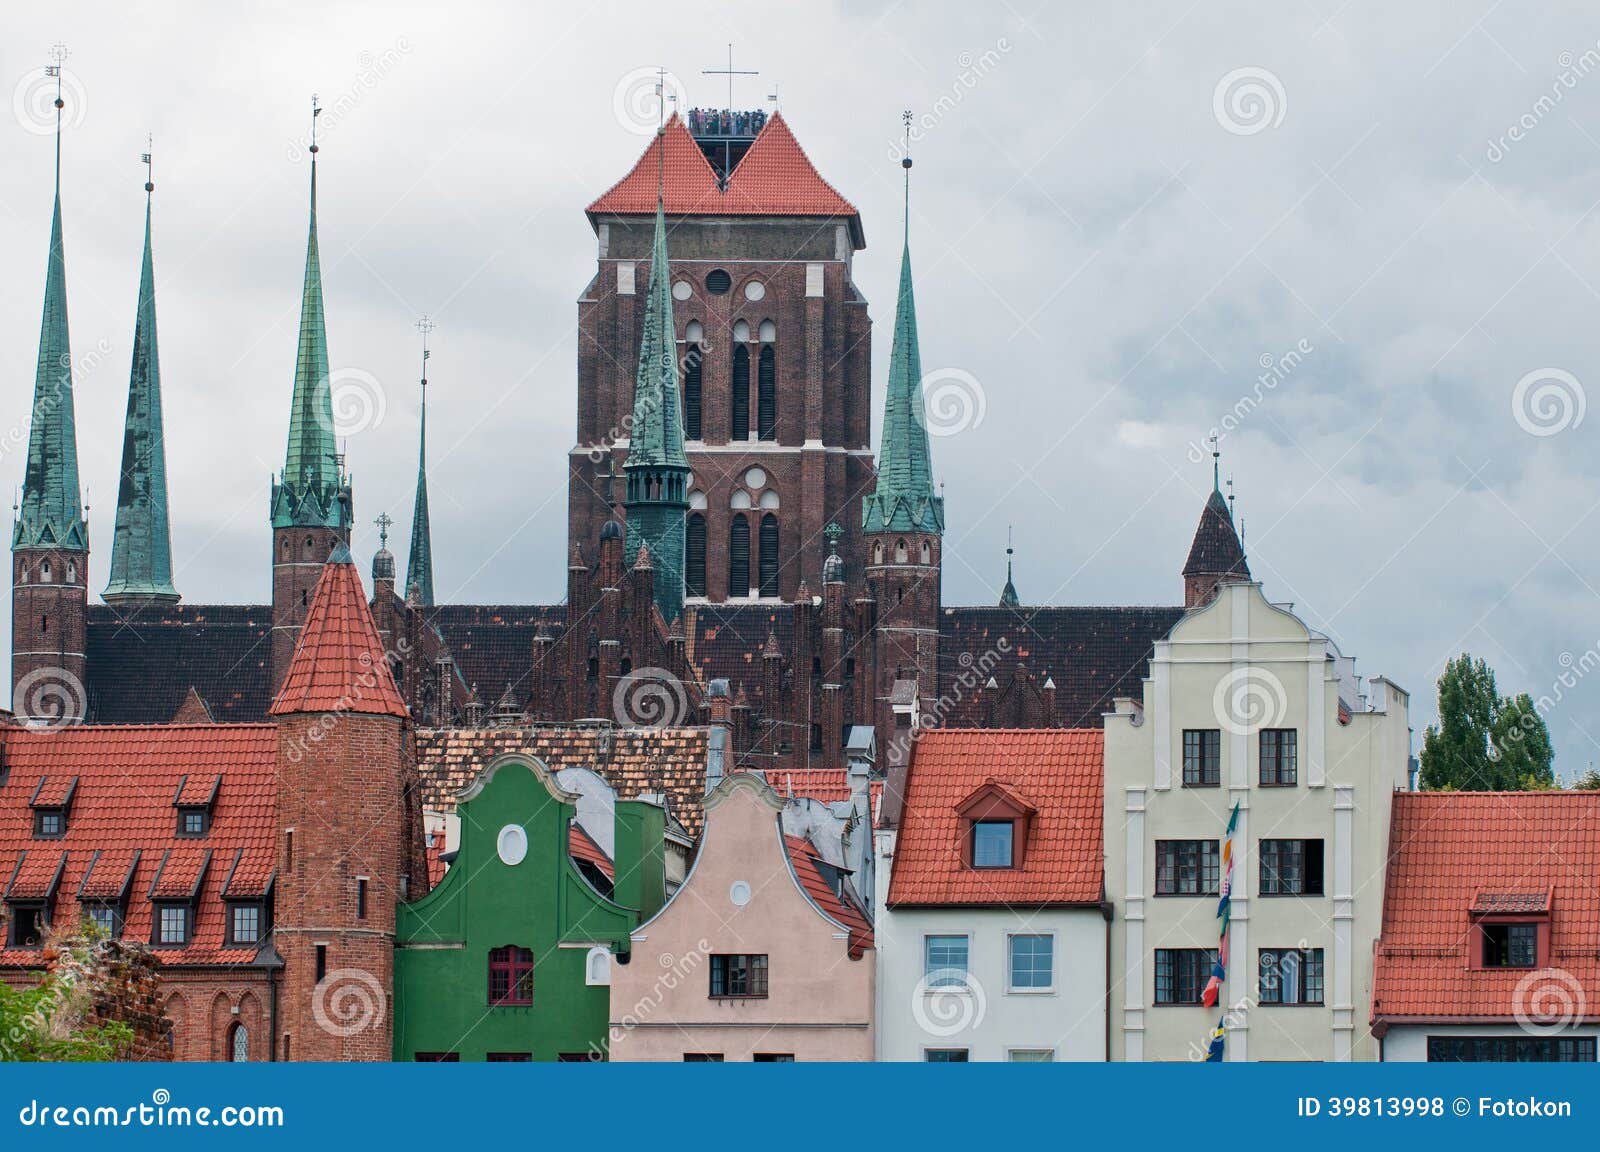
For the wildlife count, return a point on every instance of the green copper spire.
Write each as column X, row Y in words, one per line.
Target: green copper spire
column 141, row 550
column 51, row 515
column 419, row 568
column 657, row 470
column 904, row 499
column 313, row 490
column 1008, row 594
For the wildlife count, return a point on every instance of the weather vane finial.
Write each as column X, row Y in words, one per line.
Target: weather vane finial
column 316, row 110
column 58, row 53
column 905, row 163
column 424, row 326
column 1216, row 462
column 149, row 169
column 383, row 522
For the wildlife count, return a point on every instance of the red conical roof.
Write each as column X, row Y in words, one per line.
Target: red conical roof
column 339, row 665
column 775, row 178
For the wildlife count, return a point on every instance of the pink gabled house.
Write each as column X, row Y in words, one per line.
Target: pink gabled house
column 764, row 953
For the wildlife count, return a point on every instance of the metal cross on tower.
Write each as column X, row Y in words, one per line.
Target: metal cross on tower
column 730, row 72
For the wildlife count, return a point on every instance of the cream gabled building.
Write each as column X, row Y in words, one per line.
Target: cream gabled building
column 1245, row 704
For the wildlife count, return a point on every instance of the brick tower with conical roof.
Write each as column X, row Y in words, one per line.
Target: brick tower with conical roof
column 349, row 826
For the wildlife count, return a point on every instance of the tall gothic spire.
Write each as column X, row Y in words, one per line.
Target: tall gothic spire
column 657, row 469
column 419, row 568
column 51, row 514
column 141, row 550
column 312, row 489
column 904, row 499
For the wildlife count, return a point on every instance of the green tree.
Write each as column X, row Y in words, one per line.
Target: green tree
column 1485, row 742
column 51, row 1021
column 1589, row 781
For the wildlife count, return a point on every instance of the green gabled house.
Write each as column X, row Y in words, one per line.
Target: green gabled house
column 509, row 956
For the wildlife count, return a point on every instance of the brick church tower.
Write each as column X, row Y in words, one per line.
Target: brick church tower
column 348, row 827
column 311, row 499
column 50, row 541
column 772, row 342
column 902, row 524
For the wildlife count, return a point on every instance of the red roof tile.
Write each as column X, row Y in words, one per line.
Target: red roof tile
column 198, row 790
column 122, row 819
column 339, row 664
column 1457, row 855
column 581, row 846
column 807, row 865
column 1058, row 770
column 54, row 791
column 38, row 873
column 775, row 178
column 436, row 865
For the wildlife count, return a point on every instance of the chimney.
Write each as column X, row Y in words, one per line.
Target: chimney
column 719, row 736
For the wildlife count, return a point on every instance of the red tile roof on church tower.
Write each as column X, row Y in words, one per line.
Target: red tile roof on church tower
column 339, row 665
column 775, row 178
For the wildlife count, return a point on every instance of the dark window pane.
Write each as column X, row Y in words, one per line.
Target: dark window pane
column 692, row 360
column 1202, row 757
column 769, row 555
column 738, row 558
column 766, row 394
column 741, row 394
column 694, row 569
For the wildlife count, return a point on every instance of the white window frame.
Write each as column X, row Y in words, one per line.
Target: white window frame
column 1011, row 1055
column 966, row 969
column 1055, row 952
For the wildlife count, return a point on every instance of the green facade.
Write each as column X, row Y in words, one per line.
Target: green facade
column 543, row 903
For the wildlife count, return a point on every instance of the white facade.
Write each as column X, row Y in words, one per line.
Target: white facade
column 985, row 1014
column 1235, row 667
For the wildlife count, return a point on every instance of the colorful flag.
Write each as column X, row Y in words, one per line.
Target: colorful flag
column 1219, row 970
column 1218, row 1035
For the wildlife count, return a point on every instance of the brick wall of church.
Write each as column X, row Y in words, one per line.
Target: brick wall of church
column 818, row 462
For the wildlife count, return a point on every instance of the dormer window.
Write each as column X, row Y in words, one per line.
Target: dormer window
column 994, row 826
column 51, row 804
column 195, row 801
column 992, row 843
column 1513, row 929
column 174, row 924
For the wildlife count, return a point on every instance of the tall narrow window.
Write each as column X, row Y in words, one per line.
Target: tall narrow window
column 239, row 1044
column 767, row 394
column 691, row 391
column 738, row 558
column 694, row 569
column 769, row 555
column 361, row 898
column 741, row 394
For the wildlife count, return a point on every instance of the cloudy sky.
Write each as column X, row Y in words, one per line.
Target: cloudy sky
column 1121, row 215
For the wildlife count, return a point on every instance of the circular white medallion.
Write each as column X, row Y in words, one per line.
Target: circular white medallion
column 755, row 478
column 512, row 844
column 755, row 290
column 682, row 290
column 739, row 893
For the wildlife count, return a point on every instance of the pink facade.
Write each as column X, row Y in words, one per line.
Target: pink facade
column 751, row 893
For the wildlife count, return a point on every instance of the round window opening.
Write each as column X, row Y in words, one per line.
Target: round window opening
column 512, row 844
column 681, row 290
column 718, row 282
column 739, row 893
column 755, row 290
